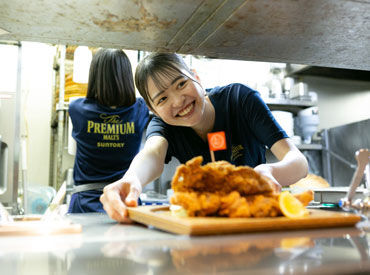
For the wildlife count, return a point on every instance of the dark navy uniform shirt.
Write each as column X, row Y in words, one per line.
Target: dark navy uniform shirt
column 107, row 141
column 246, row 120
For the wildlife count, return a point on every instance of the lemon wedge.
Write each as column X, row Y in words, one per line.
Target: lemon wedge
column 291, row 206
column 178, row 211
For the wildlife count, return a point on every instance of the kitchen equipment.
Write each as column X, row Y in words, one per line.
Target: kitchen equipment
column 332, row 195
column 10, row 125
column 160, row 217
column 39, row 198
column 360, row 205
column 299, row 91
column 4, row 215
column 52, row 211
column 153, row 198
column 308, row 121
column 285, row 119
column 288, row 85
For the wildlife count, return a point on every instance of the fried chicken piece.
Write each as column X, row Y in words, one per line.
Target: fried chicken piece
column 196, row 203
column 264, row 206
column 222, row 189
column 232, row 205
column 220, row 176
column 305, row 197
column 201, row 204
column 236, row 206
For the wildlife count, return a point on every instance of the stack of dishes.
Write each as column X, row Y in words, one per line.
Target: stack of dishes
column 285, row 119
column 308, row 120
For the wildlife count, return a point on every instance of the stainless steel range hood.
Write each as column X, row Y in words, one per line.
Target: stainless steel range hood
column 329, row 33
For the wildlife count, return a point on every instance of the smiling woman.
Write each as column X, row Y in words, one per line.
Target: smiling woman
column 185, row 114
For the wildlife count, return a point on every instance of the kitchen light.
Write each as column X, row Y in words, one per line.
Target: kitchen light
column 81, row 64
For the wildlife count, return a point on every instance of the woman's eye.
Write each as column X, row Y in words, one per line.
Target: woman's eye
column 181, row 84
column 161, row 100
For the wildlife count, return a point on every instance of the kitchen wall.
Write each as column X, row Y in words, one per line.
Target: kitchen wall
column 37, row 90
column 219, row 72
column 35, row 111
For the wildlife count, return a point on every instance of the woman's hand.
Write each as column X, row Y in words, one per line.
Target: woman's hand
column 120, row 194
column 266, row 171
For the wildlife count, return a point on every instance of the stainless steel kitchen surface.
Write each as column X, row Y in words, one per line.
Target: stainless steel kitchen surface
column 106, row 247
column 340, row 143
column 330, row 33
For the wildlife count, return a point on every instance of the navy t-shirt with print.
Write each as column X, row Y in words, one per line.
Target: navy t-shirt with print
column 107, row 140
column 246, row 120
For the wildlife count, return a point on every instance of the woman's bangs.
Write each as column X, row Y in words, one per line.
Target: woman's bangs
column 162, row 78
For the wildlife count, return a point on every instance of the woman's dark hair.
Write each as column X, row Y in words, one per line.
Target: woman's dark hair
column 158, row 66
column 110, row 79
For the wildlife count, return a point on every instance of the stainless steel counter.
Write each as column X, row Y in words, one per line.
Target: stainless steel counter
column 105, row 247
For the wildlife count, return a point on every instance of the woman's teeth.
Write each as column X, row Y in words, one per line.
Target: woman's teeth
column 185, row 111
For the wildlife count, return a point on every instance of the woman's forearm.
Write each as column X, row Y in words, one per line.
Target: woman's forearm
column 149, row 162
column 290, row 169
column 145, row 167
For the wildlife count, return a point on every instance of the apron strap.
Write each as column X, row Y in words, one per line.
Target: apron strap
column 98, row 186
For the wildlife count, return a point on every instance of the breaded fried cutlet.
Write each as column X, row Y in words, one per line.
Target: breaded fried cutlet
column 220, row 176
column 224, row 190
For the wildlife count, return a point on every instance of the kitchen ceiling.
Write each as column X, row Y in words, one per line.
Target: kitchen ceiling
column 329, row 33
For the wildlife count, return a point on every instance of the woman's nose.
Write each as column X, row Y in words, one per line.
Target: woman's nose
column 178, row 101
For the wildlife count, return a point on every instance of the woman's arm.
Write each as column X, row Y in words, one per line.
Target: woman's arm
column 146, row 166
column 291, row 167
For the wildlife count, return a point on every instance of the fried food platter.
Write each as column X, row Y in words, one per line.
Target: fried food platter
column 161, row 218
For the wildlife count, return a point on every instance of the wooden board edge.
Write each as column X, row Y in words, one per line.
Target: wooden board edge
column 176, row 225
column 142, row 216
column 35, row 226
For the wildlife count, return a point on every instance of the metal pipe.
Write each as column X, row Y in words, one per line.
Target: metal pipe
column 328, row 161
column 24, row 175
column 353, row 166
column 16, row 147
column 61, row 111
column 53, row 141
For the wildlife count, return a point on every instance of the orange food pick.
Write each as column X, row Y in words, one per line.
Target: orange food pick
column 217, row 141
column 291, row 206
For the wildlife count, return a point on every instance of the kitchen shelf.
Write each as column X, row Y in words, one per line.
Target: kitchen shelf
column 289, row 105
column 338, row 73
column 289, row 102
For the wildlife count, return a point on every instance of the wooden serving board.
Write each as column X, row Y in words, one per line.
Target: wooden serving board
column 38, row 227
column 160, row 217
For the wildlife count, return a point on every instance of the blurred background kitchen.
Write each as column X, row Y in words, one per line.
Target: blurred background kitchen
column 326, row 111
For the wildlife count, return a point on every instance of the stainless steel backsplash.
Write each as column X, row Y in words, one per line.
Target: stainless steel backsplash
column 340, row 146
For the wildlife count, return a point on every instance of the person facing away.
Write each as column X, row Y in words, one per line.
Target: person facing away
column 107, row 126
column 185, row 114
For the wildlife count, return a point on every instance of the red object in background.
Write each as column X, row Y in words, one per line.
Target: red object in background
column 217, row 141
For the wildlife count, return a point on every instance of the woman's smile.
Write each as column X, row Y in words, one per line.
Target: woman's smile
column 187, row 111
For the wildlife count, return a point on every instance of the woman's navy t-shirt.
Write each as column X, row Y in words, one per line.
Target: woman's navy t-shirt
column 246, row 120
column 107, row 141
